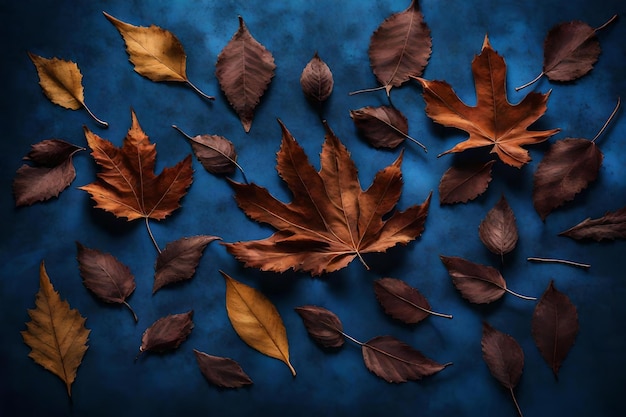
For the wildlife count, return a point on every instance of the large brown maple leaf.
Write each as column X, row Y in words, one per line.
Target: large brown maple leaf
column 493, row 121
column 127, row 185
column 330, row 220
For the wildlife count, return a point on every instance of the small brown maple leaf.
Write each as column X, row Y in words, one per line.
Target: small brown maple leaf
column 493, row 121
column 331, row 220
column 127, row 185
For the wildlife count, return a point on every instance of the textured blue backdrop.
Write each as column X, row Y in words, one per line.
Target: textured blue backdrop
column 592, row 380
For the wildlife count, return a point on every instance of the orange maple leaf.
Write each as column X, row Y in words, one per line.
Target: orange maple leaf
column 127, row 185
column 493, row 121
column 330, row 220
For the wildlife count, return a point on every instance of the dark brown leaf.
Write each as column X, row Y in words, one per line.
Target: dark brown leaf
column 167, row 333
column 244, row 70
column 459, row 184
column 223, row 372
column 51, row 173
column 610, row 226
column 477, row 283
column 498, row 230
column 105, row 276
column 400, row 47
column 554, row 326
column 382, row 127
column 403, row 302
column 504, row 357
column 179, row 260
column 317, row 80
column 322, row 325
column 395, row 361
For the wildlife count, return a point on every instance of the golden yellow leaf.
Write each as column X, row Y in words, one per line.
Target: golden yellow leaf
column 156, row 53
column 57, row 335
column 61, row 82
column 256, row 320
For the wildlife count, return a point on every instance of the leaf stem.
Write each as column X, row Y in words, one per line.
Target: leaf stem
column 199, row 91
column 367, row 90
column 611, row 20
column 152, row 236
column 560, row 261
column 362, row 261
column 347, row 336
column 132, row 311
column 101, row 122
column 523, row 297
column 515, row 402
column 530, row 82
column 619, row 101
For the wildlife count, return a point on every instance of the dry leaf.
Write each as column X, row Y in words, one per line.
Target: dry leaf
column 61, row 81
column 493, row 121
column 179, row 260
column 498, row 230
column 610, row 226
column 167, row 333
column 51, row 173
column 57, row 335
column 383, row 126
column 256, row 320
column 400, row 47
column 504, row 357
column 403, row 302
column 244, row 70
column 223, row 372
column 127, row 185
column 155, row 53
column 105, row 276
column 323, row 326
column 459, row 184
column 477, row 283
column 317, row 80
column 331, row 220
column 554, row 326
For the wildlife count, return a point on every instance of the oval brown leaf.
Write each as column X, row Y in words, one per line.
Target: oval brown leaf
column 611, row 226
column 244, row 70
column 167, row 333
column 383, row 126
column 322, row 325
column 395, row 361
column 566, row 169
column 459, row 184
column 223, row 372
column 400, row 47
column 504, row 358
column 554, row 326
column 105, row 276
column 477, row 283
column 179, row 260
column 498, row 230
column 256, row 320
column 51, row 173
column 403, row 302
column 317, row 80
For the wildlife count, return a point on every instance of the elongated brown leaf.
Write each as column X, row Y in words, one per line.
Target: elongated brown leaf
column 395, row 361
column 256, row 320
column 610, row 226
column 400, row 47
column 223, row 372
column 322, row 325
column 179, row 260
column 498, row 230
column 477, row 283
column 105, row 276
column 554, row 326
column 155, row 53
column 52, row 172
column 317, row 80
column 383, row 126
column 61, row 81
column 167, row 333
column 403, row 302
column 244, row 70
column 504, row 358
column 459, row 184
column 56, row 334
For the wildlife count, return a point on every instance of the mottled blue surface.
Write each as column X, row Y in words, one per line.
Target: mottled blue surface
column 592, row 380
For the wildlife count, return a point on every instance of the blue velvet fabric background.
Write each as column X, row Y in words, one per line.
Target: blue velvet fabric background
column 592, row 381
